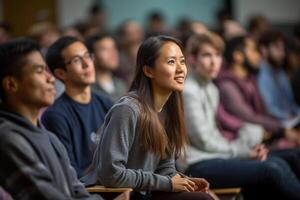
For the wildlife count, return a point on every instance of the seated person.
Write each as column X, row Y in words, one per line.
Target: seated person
column 34, row 164
column 77, row 114
column 144, row 130
column 241, row 163
column 106, row 60
column 272, row 81
column 238, row 88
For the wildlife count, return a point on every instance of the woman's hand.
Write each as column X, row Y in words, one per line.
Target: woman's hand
column 259, row 152
column 201, row 185
column 182, row 184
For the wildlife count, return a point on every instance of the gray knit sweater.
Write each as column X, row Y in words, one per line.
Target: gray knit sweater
column 120, row 160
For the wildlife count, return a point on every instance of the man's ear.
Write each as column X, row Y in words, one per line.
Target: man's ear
column 10, row 84
column 148, row 71
column 60, row 73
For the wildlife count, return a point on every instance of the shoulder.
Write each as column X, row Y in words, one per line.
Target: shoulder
column 59, row 104
column 127, row 103
column 191, row 85
column 264, row 72
column 54, row 114
column 12, row 139
column 126, row 108
column 102, row 98
column 227, row 85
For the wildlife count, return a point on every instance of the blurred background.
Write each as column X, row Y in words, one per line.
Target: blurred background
column 22, row 15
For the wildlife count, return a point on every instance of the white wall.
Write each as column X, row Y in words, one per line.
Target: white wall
column 70, row 11
column 121, row 10
column 277, row 11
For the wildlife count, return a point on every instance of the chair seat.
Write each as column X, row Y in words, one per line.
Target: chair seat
column 100, row 188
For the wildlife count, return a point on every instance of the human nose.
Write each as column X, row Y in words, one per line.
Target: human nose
column 86, row 60
column 50, row 77
column 180, row 67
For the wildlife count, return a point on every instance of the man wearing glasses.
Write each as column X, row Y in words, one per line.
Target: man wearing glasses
column 77, row 113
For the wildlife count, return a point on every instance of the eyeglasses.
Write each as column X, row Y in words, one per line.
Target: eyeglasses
column 78, row 60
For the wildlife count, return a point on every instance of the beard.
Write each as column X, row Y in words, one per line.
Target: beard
column 252, row 69
column 275, row 64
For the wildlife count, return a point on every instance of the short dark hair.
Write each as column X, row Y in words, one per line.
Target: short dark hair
column 96, row 8
column 90, row 41
column 54, row 58
column 12, row 58
column 235, row 44
column 269, row 37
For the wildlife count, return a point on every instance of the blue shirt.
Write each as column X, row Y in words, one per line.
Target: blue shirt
column 276, row 92
column 75, row 124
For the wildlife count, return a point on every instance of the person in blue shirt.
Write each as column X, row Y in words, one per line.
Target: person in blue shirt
column 273, row 83
column 78, row 112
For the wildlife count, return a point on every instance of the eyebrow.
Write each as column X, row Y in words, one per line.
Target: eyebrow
column 39, row 66
column 174, row 57
column 77, row 55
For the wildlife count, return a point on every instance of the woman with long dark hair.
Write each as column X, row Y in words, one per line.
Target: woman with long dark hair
column 145, row 130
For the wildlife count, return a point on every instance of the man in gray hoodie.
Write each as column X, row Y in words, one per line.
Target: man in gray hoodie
column 34, row 164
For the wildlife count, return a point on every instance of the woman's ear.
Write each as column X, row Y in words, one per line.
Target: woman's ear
column 148, row 71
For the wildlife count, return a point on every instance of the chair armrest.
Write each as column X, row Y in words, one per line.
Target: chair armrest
column 225, row 191
column 100, row 188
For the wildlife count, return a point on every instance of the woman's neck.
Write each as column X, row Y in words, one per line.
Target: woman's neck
column 239, row 71
column 160, row 97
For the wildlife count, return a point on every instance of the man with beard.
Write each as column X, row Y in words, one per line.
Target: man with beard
column 238, row 89
column 273, row 83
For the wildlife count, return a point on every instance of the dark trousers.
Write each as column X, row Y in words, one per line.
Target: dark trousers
column 291, row 156
column 270, row 179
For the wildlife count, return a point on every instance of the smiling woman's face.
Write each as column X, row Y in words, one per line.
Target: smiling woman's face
column 169, row 71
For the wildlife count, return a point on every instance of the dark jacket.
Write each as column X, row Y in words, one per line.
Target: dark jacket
column 34, row 164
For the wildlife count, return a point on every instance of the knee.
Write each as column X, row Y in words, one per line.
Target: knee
column 274, row 168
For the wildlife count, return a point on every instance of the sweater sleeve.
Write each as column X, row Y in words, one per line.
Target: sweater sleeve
column 118, row 134
column 234, row 102
column 203, row 132
column 24, row 175
column 166, row 167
